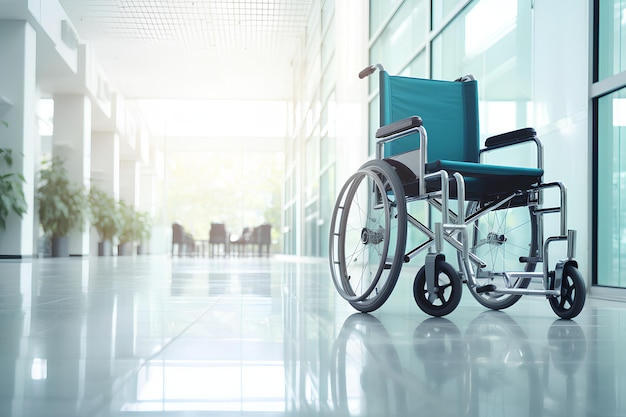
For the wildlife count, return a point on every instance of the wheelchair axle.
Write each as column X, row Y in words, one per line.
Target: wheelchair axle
column 372, row 236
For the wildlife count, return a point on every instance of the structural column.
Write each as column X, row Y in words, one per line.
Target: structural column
column 105, row 169
column 72, row 142
column 18, row 110
column 130, row 175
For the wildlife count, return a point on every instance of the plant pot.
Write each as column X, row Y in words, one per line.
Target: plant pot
column 105, row 248
column 60, row 246
column 125, row 249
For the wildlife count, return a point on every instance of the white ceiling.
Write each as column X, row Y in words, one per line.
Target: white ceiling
column 194, row 49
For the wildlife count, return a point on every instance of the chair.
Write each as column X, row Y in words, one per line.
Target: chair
column 183, row 242
column 178, row 239
column 218, row 236
column 241, row 243
column 263, row 237
column 490, row 215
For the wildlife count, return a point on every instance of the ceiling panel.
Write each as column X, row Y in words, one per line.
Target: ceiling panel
column 194, row 48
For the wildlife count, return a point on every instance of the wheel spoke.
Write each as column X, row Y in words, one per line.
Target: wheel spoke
column 442, row 298
column 499, row 238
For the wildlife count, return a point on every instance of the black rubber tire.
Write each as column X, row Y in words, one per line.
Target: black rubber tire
column 573, row 293
column 449, row 290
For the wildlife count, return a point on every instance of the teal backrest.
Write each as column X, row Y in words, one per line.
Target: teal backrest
column 449, row 110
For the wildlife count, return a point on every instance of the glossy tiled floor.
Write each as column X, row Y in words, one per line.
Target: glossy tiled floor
column 148, row 336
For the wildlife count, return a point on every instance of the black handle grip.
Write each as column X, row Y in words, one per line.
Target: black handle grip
column 366, row 72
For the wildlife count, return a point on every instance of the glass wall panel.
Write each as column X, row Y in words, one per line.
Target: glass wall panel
column 328, row 79
column 328, row 46
column 611, row 186
column 441, row 9
column 289, row 233
column 327, row 123
column 611, row 38
column 327, row 202
column 418, row 67
column 312, row 165
column 311, row 235
column 497, row 54
column 379, row 11
column 328, row 10
column 406, row 31
column 374, row 124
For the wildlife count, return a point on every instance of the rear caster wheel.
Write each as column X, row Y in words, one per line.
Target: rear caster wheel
column 448, row 288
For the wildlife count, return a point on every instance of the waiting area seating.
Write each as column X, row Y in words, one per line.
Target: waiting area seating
column 262, row 236
column 219, row 238
column 183, row 242
column 253, row 241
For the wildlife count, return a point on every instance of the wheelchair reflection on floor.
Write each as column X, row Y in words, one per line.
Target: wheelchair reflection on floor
column 492, row 216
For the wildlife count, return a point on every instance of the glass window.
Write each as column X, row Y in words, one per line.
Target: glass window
column 312, row 159
column 379, row 11
column 611, row 38
column 328, row 9
column 441, row 9
column 611, row 186
column 327, row 203
column 328, row 46
column 374, row 124
column 328, row 79
column 418, row 67
column 497, row 54
column 311, row 234
column 406, row 31
column 327, row 143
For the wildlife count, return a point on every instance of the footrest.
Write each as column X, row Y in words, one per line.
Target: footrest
column 529, row 259
column 485, row 288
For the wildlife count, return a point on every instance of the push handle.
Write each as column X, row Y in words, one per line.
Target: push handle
column 366, row 72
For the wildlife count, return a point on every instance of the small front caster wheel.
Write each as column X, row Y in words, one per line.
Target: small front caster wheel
column 572, row 299
column 448, row 288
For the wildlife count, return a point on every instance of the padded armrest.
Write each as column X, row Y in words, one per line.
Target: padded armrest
column 511, row 138
column 399, row 126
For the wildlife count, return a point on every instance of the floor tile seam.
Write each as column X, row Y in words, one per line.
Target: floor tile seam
column 58, row 300
column 160, row 351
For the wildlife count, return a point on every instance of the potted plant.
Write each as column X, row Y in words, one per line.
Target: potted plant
column 105, row 217
column 62, row 204
column 129, row 229
column 11, row 192
column 145, row 230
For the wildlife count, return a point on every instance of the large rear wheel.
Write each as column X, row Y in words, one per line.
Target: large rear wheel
column 501, row 238
column 368, row 236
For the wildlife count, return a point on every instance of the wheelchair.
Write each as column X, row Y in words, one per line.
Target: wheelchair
column 491, row 217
